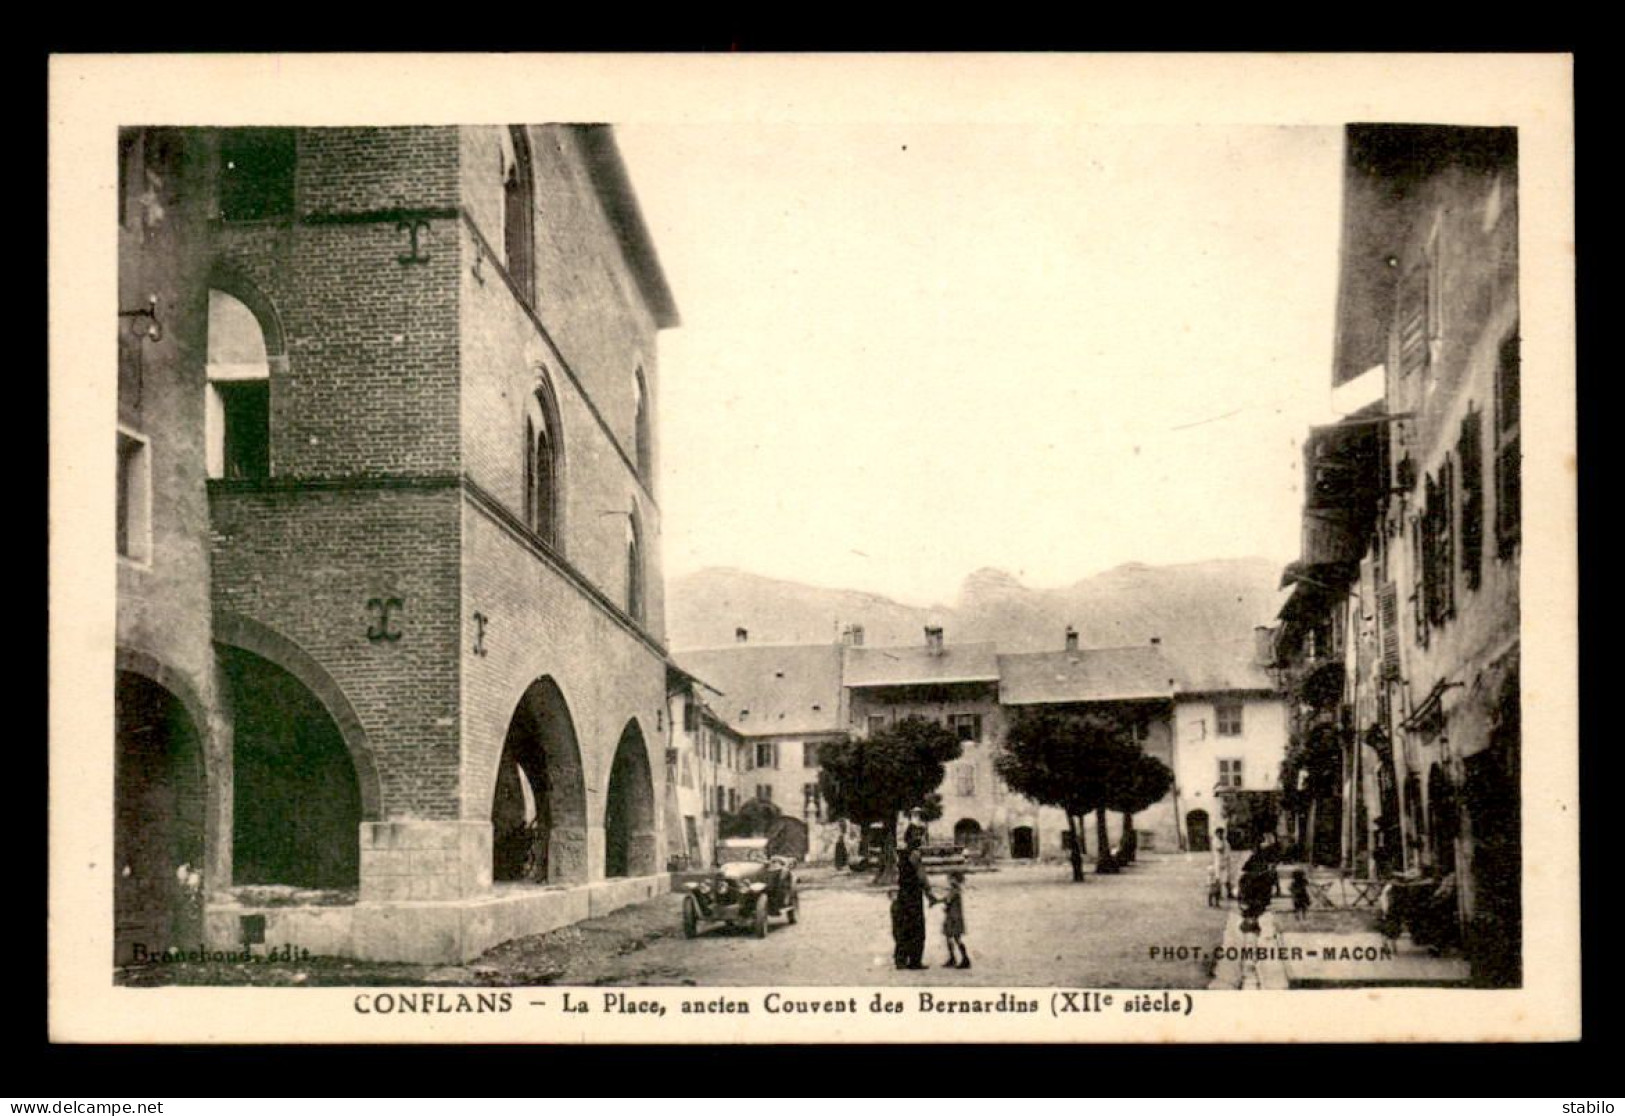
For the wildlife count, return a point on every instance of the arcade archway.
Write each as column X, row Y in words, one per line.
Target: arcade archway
column 159, row 793
column 539, row 804
column 629, row 809
column 297, row 802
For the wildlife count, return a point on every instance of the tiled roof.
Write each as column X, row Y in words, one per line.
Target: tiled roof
column 910, row 666
column 1130, row 673
column 1090, row 674
column 1230, row 664
column 785, row 689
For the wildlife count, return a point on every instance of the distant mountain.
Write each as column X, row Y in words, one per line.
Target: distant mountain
column 1191, row 603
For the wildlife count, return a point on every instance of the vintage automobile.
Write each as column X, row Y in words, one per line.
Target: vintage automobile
column 746, row 888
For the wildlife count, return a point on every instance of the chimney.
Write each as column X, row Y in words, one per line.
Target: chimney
column 741, row 635
column 1071, row 638
column 933, row 640
column 857, row 635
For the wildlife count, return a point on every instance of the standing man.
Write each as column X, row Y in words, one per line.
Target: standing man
column 908, row 908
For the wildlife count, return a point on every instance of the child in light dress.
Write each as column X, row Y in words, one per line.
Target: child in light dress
column 953, row 922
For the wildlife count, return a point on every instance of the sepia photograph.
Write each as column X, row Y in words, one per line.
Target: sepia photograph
column 810, row 549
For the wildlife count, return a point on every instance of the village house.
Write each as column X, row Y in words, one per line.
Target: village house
column 957, row 687
column 391, row 676
column 783, row 702
column 1132, row 684
column 705, row 760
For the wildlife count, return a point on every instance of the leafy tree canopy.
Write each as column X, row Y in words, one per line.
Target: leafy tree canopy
column 1079, row 762
column 755, row 817
column 896, row 769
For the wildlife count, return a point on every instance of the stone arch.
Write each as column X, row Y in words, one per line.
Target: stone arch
column 244, row 354
column 129, row 660
column 296, row 795
column 1198, row 837
column 629, row 808
column 232, row 280
column 968, row 833
column 539, row 794
column 235, row 630
column 160, row 797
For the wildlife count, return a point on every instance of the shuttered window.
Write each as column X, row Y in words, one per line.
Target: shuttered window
column 1469, row 450
column 1388, row 613
column 1438, row 546
column 1508, row 484
column 1413, row 321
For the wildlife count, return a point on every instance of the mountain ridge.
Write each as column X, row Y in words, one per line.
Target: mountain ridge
column 1188, row 602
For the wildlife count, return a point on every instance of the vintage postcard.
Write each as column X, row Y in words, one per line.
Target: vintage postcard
column 813, row 549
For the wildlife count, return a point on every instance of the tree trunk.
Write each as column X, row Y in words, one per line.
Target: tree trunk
column 887, row 872
column 1104, row 864
column 1075, row 826
column 1131, row 840
column 1311, row 854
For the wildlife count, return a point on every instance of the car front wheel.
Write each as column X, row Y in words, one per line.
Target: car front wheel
column 792, row 910
column 691, row 917
column 759, row 924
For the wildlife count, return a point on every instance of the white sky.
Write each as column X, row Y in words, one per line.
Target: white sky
column 911, row 351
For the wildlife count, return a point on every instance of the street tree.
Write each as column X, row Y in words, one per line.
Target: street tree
column 755, row 817
column 878, row 780
column 1077, row 762
column 1147, row 780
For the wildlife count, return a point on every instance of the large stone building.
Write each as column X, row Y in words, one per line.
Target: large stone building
column 1401, row 640
column 391, row 666
column 957, row 687
column 1210, row 711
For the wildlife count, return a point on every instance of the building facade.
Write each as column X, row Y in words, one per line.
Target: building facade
column 705, row 762
column 957, row 687
column 1132, row 684
column 412, row 374
column 782, row 702
column 1407, row 601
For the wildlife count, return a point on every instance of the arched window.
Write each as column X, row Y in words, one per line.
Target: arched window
column 634, row 567
column 542, row 464
column 645, row 452
column 237, row 420
column 518, row 209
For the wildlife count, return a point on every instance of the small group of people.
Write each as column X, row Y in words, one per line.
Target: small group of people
column 1260, row 880
column 908, row 902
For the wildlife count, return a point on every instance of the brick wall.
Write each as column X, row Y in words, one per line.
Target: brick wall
column 354, row 169
column 305, row 563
